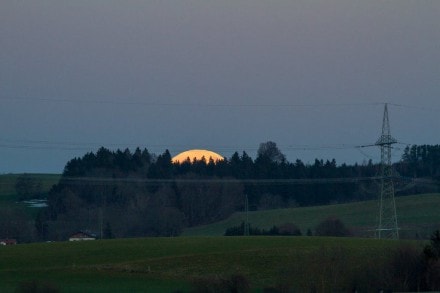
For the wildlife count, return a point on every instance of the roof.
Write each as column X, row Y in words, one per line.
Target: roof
column 83, row 234
column 8, row 241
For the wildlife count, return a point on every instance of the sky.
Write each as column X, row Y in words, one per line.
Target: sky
column 311, row 75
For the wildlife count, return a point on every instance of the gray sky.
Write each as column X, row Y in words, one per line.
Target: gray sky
column 223, row 75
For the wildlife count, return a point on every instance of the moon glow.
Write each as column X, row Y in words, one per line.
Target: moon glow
column 197, row 155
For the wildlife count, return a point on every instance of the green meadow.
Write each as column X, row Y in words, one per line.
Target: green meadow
column 170, row 264
column 173, row 264
column 418, row 217
column 9, row 197
column 7, row 184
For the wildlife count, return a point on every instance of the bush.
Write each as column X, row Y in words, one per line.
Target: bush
column 289, row 229
column 407, row 269
column 432, row 251
column 431, row 255
column 332, row 227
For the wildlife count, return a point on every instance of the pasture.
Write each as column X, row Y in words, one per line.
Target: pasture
column 170, row 264
column 418, row 217
column 7, row 184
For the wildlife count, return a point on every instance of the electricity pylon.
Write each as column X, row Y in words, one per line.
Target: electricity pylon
column 387, row 227
column 246, row 208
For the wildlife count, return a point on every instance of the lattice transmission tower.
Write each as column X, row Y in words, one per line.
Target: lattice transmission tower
column 387, row 226
column 246, row 210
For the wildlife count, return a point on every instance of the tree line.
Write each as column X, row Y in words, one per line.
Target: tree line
column 138, row 193
column 329, row 227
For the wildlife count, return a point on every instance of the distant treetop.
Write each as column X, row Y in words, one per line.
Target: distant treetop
column 197, row 155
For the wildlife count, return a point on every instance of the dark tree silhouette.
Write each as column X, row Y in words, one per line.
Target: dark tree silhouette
column 332, row 227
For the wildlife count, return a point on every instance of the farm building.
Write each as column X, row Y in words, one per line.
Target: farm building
column 82, row 236
column 8, row 241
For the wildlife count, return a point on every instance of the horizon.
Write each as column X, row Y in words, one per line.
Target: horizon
column 311, row 76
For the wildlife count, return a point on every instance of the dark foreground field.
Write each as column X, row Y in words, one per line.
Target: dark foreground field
column 172, row 264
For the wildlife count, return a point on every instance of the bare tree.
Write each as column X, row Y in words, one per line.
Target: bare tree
column 270, row 151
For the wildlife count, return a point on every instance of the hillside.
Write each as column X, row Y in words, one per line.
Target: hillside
column 168, row 264
column 7, row 183
column 417, row 215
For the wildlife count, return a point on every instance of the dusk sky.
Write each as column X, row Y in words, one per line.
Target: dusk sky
column 312, row 76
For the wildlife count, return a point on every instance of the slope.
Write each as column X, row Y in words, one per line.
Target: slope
column 418, row 217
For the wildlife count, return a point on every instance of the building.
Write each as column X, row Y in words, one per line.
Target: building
column 8, row 241
column 82, row 236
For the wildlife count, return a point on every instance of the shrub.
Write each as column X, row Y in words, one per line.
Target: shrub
column 407, row 269
column 332, row 227
column 289, row 229
column 432, row 251
column 284, row 230
column 431, row 255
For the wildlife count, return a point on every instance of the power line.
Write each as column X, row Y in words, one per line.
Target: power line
column 416, row 107
column 46, row 144
column 170, row 104
column 229, row 181
column 301, row 181
column 228, row 105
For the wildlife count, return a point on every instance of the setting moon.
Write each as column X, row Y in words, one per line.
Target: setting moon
column 197, row 155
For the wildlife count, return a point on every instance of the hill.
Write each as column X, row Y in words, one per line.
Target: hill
column 7, row 183
column 169, row 264
column 417, row 215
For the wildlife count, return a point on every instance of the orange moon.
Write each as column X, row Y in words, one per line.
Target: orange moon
column 197, row 155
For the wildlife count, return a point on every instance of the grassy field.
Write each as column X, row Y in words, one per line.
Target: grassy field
column 7, row 184
column 9, row 197
column 418, row 215
column 169, row 264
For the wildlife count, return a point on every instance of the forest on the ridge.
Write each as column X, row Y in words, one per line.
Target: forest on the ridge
column 133, row 194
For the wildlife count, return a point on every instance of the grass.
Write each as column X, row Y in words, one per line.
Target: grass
column 417, row 216
column 8, row 195
column 93, row 281
column 167, row 264
column 7, row 182
column 170, row 264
